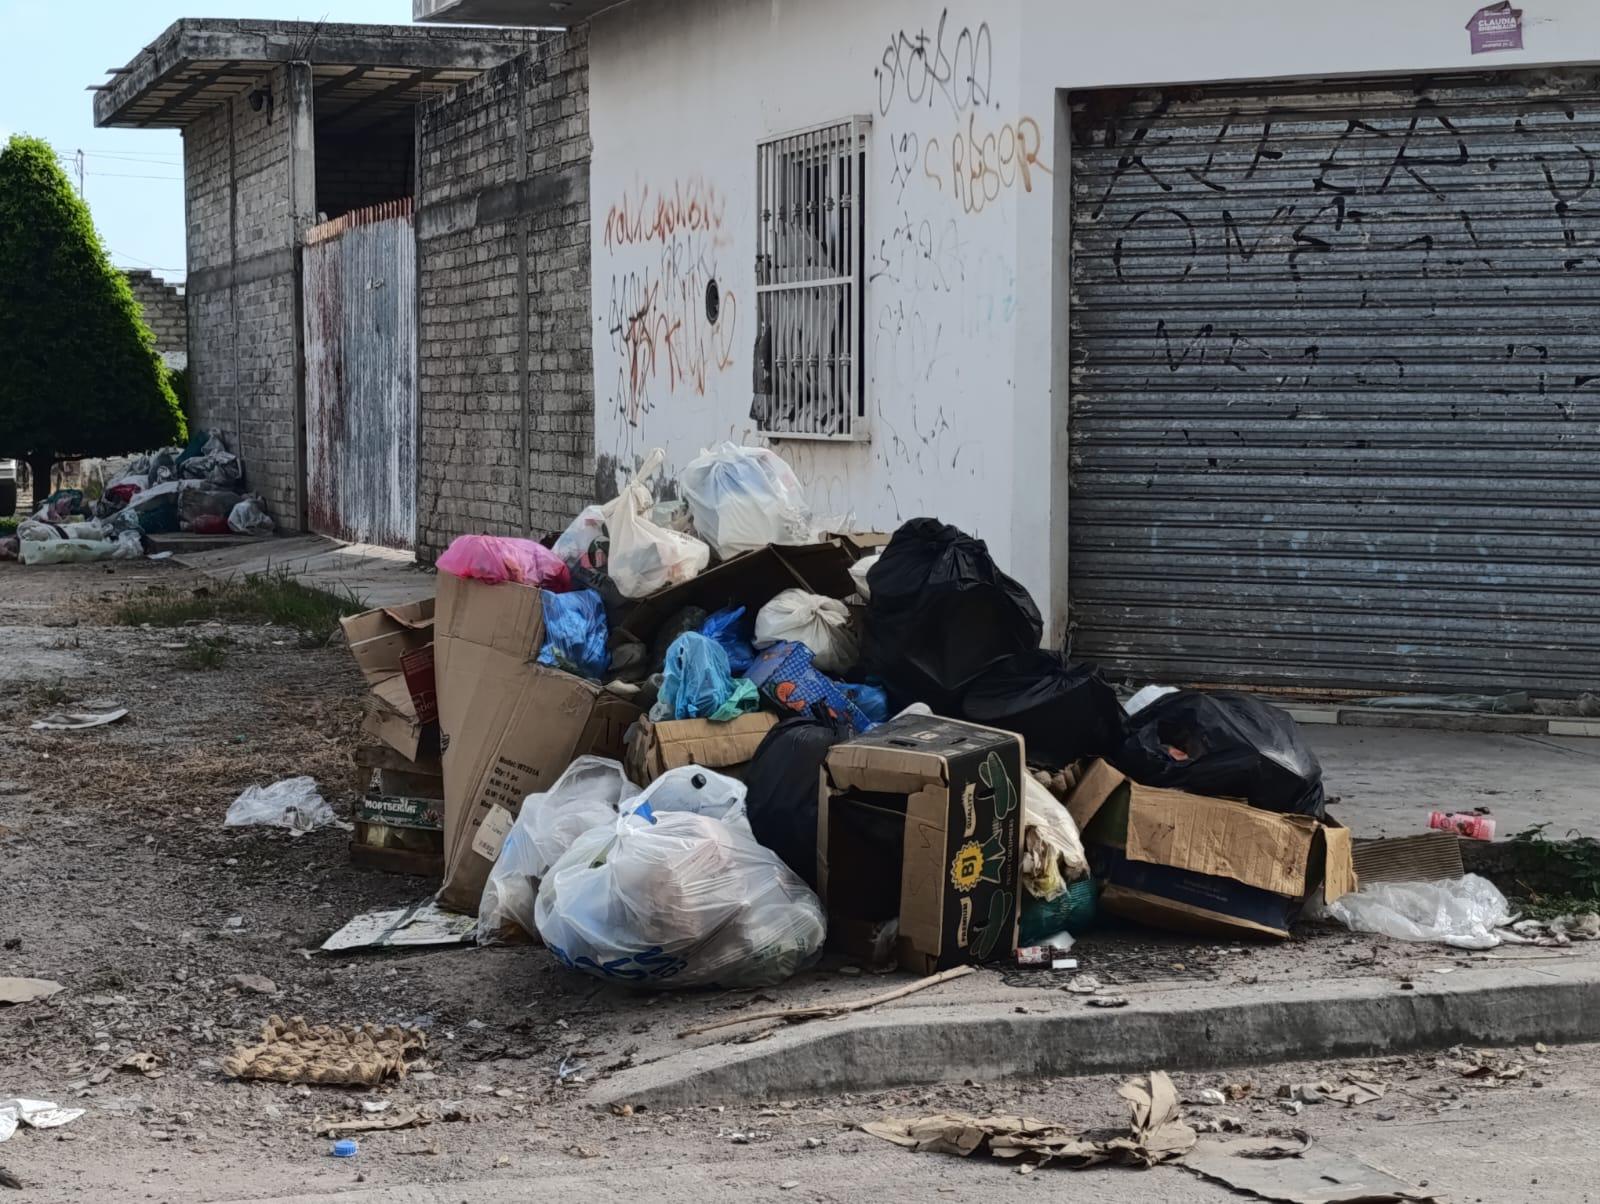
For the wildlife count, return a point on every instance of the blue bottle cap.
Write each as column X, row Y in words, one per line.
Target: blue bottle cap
column 345, row 1149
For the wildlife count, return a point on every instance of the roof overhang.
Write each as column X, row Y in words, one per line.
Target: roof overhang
column 380, row 70
column 557, row 14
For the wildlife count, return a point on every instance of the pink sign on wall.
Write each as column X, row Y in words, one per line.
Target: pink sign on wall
column 1497, row 27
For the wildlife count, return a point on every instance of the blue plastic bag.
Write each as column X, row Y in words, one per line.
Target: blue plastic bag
column 576, row 634
column 730, row 629
column 873, row 701
column 697, row 683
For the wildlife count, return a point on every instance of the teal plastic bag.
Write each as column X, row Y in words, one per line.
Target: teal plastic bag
column 698, row 684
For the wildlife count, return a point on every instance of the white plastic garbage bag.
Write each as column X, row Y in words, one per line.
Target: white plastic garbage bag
column 698, row 791
column 294, row 803
column 645, row 558
column 744, row 498
column 577, row 539
column 37, row 530
column 860, row 570
column 129, row 545
column 584, row 797
column 1463, row 912
column 821, row 624
column 250, row 517
column 1052, row 849
column 68, row 551
column 678, row 900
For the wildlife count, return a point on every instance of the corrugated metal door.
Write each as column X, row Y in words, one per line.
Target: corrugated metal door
column 361, row 388
column 1336, row 384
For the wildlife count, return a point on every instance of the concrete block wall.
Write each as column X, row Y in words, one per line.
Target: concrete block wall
column 164, row 313
column 356, row 170
column 243, row 312
column 506, row 369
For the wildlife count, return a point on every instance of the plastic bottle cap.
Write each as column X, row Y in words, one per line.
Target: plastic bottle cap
column 345, row 1149
column 698, row 781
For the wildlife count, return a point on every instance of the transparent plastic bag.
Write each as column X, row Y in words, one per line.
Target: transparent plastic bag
column 497, row 559
column 1462, row 913
column 128, row 545
column 859, row 572
column 644, row 557
column 250, row 517
column 821, row 624
column 678, row 900
column 1052, row 849
column 584, row 797
column 294, row 803
column 697, row 790
column 696, row 682
column 744, row 498
column 575, row 542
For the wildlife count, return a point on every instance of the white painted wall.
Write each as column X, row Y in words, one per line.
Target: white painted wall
column 966, row 311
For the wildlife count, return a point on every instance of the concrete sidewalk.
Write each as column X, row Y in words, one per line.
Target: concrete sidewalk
column 377, row 576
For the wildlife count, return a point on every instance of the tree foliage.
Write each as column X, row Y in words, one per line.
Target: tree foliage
column 79, row 374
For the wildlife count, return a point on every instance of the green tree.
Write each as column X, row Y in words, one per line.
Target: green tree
column 79, row 374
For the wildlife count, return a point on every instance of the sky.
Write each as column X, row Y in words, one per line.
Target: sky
column 51, row 50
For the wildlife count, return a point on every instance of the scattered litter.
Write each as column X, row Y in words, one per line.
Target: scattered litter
column 571, row 1071
column 1483, row 1067
column 1206, row 1097
column 1471, row 824
column 789, row 1186
column 1107, row 1001
column 293, row 803
column 293, row 1051
column 1157, row 1134
column 374, row 1106
column 78, row 721
column 1296, row 1172
column 581, row 1151
column 27, row 990
column 1463, row 913
column 827, row 1011
column 1082, row 984
column 409, row 1119
column 1555, row 933
column 344, row 1149
column 35, row 1114
column 421, row 925
column 146, row 1064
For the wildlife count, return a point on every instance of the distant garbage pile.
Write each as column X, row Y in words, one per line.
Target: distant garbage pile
column 691, row 741
column 199, row 488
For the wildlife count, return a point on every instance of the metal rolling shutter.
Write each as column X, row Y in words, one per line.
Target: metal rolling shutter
column 1336, row 383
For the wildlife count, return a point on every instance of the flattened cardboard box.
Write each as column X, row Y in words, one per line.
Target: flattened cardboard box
column 393, row 647
column 654, row 748
column 510, row 727
column 1194, row 864
column 956, row 789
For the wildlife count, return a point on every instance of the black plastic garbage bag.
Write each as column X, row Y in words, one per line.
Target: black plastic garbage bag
column 1062, row 712
column 782, row 783
column 1225, row 745
column 941, row 614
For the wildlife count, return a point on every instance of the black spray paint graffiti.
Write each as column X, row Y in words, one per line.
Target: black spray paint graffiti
column 953, row 67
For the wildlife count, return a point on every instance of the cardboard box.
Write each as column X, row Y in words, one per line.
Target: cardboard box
column 399, row 835
column 509, row 727
column 944, row 799
column 393, row 647
column 1214, row 866
column 654, row 748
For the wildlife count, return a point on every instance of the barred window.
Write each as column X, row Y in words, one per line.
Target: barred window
column 810, row 378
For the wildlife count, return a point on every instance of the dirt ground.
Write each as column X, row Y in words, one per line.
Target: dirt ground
column 121, row 883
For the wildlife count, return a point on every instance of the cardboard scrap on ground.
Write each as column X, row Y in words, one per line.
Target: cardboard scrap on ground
column 292, row 1051
column 408, row 1119
column 1355, row 1087
column 26, row 990
column 1157, row 1134
column 1297, row 1172
column 421, row 925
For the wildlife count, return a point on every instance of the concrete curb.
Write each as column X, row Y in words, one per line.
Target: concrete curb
column 1190, row 1030
column 1439, row 721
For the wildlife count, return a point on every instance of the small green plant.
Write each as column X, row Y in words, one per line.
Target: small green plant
column 276, row 598
column 47, row 694
column 205, row 653
column 1557, row 873
column 8, row 526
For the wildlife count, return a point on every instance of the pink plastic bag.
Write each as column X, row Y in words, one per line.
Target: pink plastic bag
column 496, row 560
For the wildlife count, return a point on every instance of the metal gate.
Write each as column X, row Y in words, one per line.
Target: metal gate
column 1336, row 384
column 361, row 386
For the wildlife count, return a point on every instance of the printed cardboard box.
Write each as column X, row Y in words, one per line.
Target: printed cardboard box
column 923, row 819
column 1189, row 863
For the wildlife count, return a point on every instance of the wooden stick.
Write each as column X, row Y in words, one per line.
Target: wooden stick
column 826, row 1010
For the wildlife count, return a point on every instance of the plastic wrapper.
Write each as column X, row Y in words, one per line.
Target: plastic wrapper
column 1225, row 745
column 584, row 797
column 732, row 629
column 1052, row 850
column 1063, row 712
column 790, row 682
column 744, row 498
column 678, row 900
column 698, row 684
column 782, row 783
column 1463, row 912
column 294, row 803
column 643, row 557
column 821, row 624
column 576, row 634
column 250, row 517
column 577, row 541
column 496, row 559
column 941, row 614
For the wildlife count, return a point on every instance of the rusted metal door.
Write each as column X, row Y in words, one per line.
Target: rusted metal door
column 360, row 275
column 1336, row 385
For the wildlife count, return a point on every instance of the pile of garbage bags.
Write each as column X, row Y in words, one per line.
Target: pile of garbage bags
column 197, row 488
column 702, row 878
